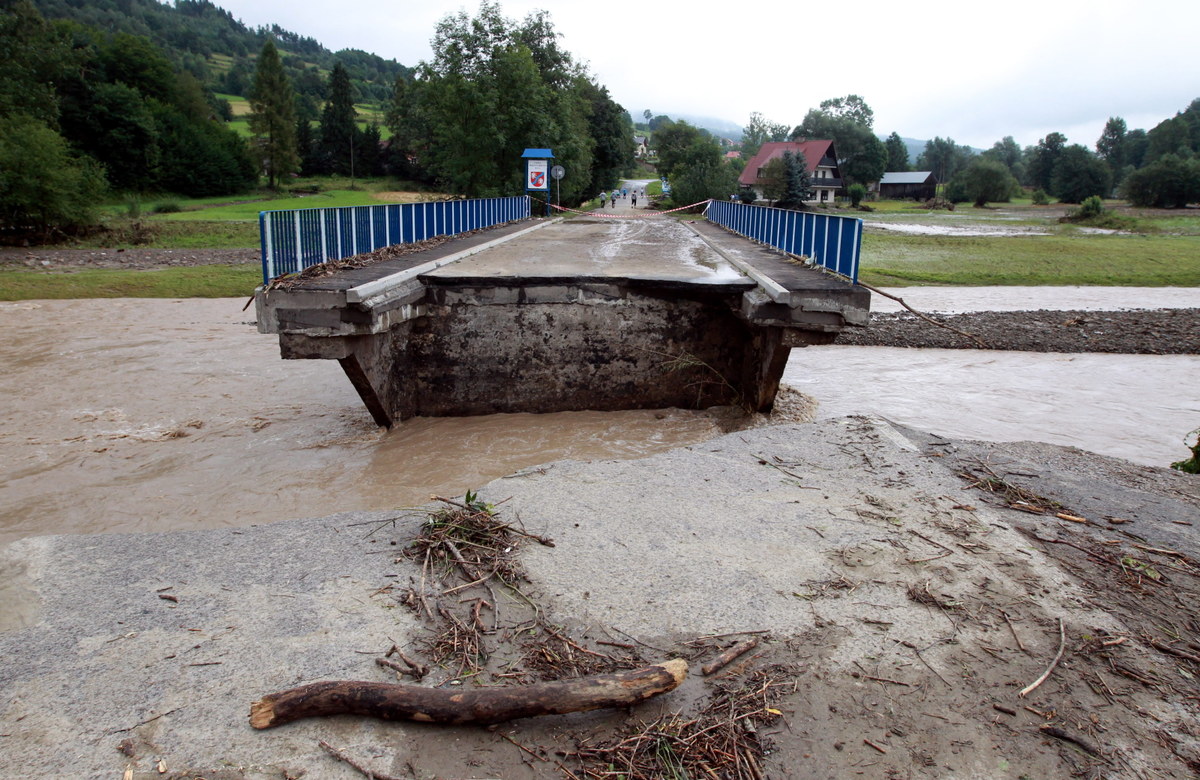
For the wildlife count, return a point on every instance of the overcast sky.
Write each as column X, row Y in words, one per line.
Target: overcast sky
column 970, row 71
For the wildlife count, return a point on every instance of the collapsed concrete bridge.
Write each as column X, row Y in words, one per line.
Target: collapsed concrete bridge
column 561, row 315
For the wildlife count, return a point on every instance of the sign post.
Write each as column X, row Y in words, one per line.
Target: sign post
column 537, row 172
column 558, row 172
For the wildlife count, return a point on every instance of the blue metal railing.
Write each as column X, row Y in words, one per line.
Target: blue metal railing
column 295, row 239
column 831, row 242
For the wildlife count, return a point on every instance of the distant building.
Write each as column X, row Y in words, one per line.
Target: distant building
column 898, row 185
column 823, row 172
column 639, row 146
column 733, row 155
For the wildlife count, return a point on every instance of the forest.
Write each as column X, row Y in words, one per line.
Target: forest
column 123, row 97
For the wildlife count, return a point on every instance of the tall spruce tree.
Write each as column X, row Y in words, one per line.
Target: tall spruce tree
column 797, row 187
column 897, row 153
column 273, row 116
column 338, row 129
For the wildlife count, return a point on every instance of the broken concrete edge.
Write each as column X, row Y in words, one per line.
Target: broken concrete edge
column 773, row 289
column 376, row 296
column 846, row 298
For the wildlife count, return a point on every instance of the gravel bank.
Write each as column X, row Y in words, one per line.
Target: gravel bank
column 121, row 259
column 1137, row 332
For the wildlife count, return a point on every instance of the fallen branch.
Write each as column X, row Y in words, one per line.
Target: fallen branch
column 727, row 657
column 978, row 341
column 1062, row 646
column 398, row 701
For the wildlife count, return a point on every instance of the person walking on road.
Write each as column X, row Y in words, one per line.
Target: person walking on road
column 633, row 200
column 603, row 198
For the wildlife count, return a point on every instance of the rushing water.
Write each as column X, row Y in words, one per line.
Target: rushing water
column 139, row 415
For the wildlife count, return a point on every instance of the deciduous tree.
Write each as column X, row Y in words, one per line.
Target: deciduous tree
column 1008, row 153
column 983, row 181
column 1079, row 174
column 851, row 107
column 1040, row 160
column 1168, row 182
column 758, row 132
column 944, row 158
column 862, row 157
column 44, row 186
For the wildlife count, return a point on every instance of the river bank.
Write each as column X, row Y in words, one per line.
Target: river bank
column 925, row 608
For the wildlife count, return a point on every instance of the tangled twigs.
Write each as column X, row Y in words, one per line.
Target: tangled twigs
column 1012, row 496
column 722, row 741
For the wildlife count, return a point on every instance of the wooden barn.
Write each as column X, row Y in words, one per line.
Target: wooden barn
column 898, row 185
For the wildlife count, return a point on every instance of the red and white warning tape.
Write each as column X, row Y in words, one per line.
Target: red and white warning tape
column 628, row 216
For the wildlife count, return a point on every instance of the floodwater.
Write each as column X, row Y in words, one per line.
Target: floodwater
column 150, row 415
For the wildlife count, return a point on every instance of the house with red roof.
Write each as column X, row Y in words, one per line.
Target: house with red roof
column 820, row 157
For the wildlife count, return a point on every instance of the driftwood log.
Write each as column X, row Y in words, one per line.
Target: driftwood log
column 457, row 706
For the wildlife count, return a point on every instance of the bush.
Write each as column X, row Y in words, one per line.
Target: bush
column 857, row 193
column 1169, row 182
column 1192, row 464
column 1040, row 198
column 1091, row 207
column 169, row 207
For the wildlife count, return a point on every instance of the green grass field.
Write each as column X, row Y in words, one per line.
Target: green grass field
column 205, row 281
column 1141, row 261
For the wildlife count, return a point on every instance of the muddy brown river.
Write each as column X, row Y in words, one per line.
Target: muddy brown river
column 148, row 415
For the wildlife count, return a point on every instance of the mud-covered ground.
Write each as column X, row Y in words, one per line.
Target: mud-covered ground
column 1136, row 332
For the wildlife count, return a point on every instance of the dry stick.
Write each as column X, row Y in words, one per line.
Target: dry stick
column 978, row 341
column 1173, row 651
column 877, row 747
column 1057, row 733
column 1013, row 629
column 1062, row 646
column 340, row 756
column 725, row 658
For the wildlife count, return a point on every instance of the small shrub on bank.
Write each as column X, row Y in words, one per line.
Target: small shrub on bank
column 1192, row 464
column 169, row 207
column 1040, row 198
column 1091, row 207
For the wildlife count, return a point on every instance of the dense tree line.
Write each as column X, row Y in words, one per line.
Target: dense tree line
column 85, row 109
column 1159, row 167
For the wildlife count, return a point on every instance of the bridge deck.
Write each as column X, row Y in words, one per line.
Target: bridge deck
column 662, row 252
column 553, row 315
